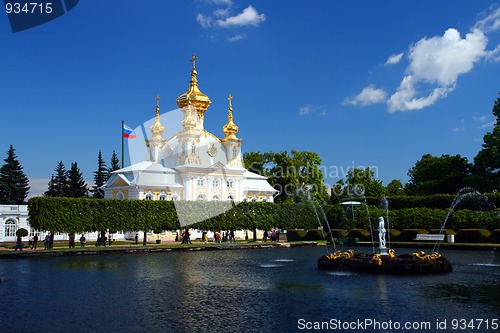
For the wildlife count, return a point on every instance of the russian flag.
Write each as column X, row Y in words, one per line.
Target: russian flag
column 128, row 133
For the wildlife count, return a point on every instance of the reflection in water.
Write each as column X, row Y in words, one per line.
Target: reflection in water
column 246, row 291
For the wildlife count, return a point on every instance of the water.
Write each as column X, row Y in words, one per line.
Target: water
column 265, row 290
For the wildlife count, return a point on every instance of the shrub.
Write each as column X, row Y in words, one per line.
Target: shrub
column 472, row 236
column 21, row 232
column 393, row 233
column 295, row 235
column 445, row 231
column 409, row 235
column 362, row 234
column 315, row 234
column 336, row 233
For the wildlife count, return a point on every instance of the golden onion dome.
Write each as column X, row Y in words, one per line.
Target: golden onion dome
column 230, row 129
column 157, row 129
column 193, row 95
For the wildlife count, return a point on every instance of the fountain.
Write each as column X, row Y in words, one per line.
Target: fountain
column 386, row 261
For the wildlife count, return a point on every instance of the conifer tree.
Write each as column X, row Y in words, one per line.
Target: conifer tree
column 58, row 184
column 100, row 177
column 77, row 187
column 14, row 184
column 114, row 165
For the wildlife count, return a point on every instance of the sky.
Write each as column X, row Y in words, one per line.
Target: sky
column 362, row 83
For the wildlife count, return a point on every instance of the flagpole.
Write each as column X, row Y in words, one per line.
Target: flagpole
column 123, row 144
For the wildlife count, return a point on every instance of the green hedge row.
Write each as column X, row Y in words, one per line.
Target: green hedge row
column 70, row 215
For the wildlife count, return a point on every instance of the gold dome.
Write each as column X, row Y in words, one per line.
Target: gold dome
column 193, row 95
column 230, row 129
column 157, row 129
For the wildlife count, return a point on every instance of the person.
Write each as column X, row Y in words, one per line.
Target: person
column 231, row 236
column 265, row 235
column 46, row 241
column 110, row 240
column 136, row 239
column 19, row 244
column 30, row 241
column 205, row 237
column 71, row 241
column 98, row 242
column 277, row 236
column 381, row 232
column 82, row 241
column 35, row 241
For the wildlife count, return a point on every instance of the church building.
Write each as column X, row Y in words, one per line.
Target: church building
column 193, row 164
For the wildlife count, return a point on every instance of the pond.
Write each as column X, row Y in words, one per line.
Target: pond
column 264, row 290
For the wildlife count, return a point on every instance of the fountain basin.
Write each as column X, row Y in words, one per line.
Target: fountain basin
column 404, row 264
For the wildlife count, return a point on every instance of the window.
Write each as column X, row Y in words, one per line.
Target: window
column 265, row 199
column 215, row 183
column 162, row 196
column 149, row 196
column 120, row 195
column 229, row 184
column 200, row 182
column 230, row 197
column 183, row 148
column 215, row 198
column 10, row 228
column 201, row 197
column 235, row 152
column 175, row 197
column 193, row 149
column 254, row 199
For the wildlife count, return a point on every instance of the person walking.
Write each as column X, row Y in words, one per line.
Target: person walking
column 82, row 241
column 35, row 241
column 19, row 244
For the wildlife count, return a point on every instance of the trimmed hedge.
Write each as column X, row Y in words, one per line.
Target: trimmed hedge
column 445, row 231
column 336, row 233
column 472, row 236
column 409, row 235
column 295, row 235
column 314, row 235
column 361, row 234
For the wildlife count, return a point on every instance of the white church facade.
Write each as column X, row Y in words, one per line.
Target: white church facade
column 193, row 164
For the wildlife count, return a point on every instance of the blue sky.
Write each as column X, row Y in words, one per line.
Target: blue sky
column 362, row 83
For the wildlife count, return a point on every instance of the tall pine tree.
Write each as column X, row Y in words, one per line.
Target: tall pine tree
column 115, row 164
column 14, row 184
column 100, row 177
column 77, row 187
column 58, row 184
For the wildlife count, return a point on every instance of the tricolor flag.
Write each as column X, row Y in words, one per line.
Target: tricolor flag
column 128, row 133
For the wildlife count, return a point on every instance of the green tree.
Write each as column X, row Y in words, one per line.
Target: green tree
column 362, row 182
column 100, row 177
column 58, row 184
column 114, row 164
column 395, row 187
column 14, row 184
column 486, row 169
column 256, row 162
column 290, row 173
column 438, row 175
column 77, row 187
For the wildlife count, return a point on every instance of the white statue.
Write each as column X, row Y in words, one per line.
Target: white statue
column 381, row 232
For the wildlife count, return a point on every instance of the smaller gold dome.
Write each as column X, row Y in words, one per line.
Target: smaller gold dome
column 193, row 95
column 230, row 129
column 157, row 129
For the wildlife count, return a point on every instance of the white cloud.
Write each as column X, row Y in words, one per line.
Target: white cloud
column 249, row 16
column 394, row 59
column 204, row 21
column 236, row 38
column 484, row 121
column 460, row 128
column 491, row 22
column 369, row 95
column 438, row 61
column 309, row 109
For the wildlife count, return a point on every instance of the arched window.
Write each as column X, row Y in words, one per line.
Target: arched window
column 265, row 199
column 254, row 199
column 149, row 195
column 230, row 197
column 162, row 196
column 201, row 197
column 215, row 198
column 120, row 195
column 10, row 228
column 175, row 197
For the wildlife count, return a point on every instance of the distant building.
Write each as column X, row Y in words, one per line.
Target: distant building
column 193, row 164
column 13, row 217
